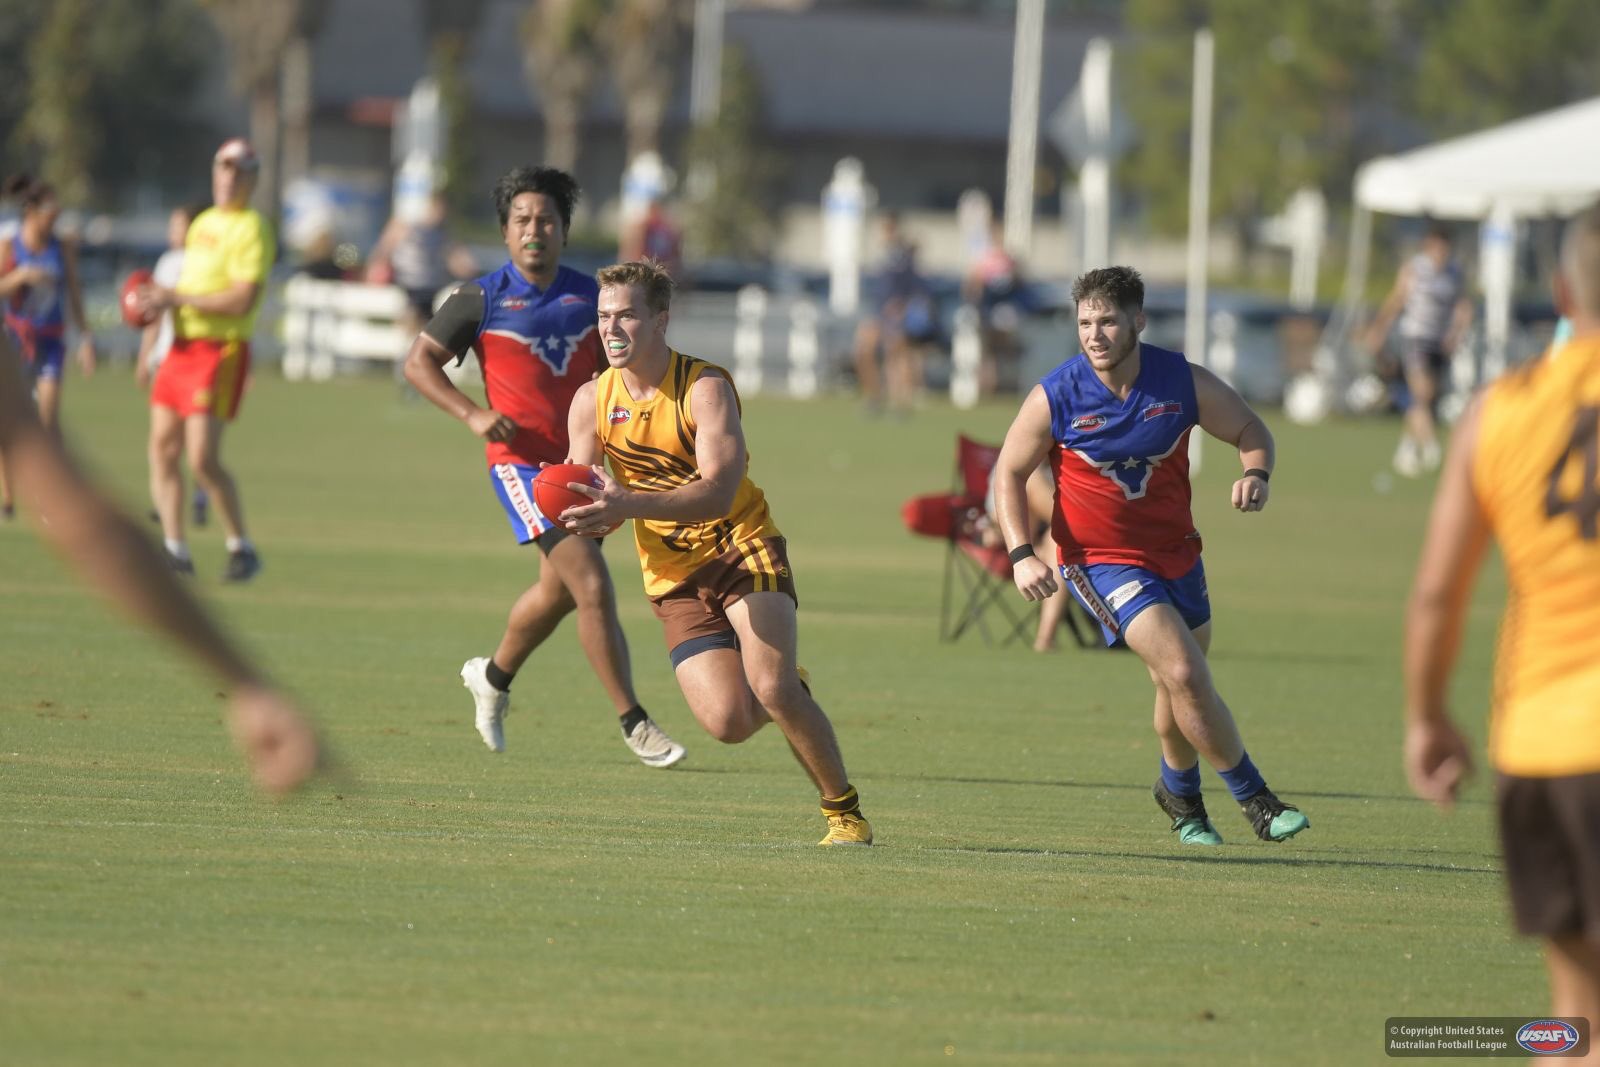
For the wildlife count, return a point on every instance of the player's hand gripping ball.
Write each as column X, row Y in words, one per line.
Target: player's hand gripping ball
column 132, row 313
column 551, row 492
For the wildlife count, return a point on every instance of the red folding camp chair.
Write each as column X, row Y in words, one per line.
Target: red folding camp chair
column 978, row 593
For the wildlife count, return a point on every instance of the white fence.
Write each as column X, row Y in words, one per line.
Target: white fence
column 328, row 321
column 784, row 345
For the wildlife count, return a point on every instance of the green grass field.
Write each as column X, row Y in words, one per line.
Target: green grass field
column 561, row 904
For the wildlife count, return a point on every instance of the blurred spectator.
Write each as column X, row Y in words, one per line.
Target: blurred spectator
column 39, row 288
column 656, row 236
column 320, row 259
column 905, row 320
column 994, row 286
column 419, row 256
column 1429, row 298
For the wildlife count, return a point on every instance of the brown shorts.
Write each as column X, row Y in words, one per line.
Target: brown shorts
column 1550, row 834
column 694, row 614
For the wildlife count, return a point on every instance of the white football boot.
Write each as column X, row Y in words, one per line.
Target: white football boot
column 491, row 704
column 653, row 747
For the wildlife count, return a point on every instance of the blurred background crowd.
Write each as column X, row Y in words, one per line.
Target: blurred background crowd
column 884, row 195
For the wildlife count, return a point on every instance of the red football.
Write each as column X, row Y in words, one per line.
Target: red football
column 551, row 493
column 131, row 313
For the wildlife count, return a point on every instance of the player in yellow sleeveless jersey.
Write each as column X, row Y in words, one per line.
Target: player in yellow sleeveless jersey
column 1524, row 470
column 714, row 563
column 228, row 254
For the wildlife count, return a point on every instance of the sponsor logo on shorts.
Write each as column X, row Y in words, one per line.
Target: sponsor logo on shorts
column 1088, row 423
column 1168, row 407
column 513, row 303
column 1123, row 593
column 620, row 414
column 1548, row 1036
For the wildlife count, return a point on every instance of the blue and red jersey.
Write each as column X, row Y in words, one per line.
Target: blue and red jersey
column 34, row 313
column 537, row 348
column 1121, row 467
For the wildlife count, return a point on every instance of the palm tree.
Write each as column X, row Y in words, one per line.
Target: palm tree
column 560, row 56
column 257, row 35
column 644, row 39
column 449, row 26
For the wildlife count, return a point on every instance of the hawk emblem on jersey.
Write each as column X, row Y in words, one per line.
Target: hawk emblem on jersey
column 1088, row 423
column 554, row 350
column 1166, row 407
column 1131, row 474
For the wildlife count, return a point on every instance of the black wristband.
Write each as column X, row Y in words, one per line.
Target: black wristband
column 1020, row 553
column 1257, row 472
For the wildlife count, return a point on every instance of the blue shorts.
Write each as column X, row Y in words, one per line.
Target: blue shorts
column 1114, row 594
column 45, row 359
column 513, row 484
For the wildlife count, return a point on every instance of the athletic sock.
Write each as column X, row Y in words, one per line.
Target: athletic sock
column 176, row 549
column 240, row 544
column 847, row 804
column 1243, row 780
column 631, row 719
column 497, row 677
column 1181, row 783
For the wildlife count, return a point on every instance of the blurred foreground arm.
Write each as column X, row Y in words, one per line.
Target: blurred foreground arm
column 104, row 545
column 1437, row 756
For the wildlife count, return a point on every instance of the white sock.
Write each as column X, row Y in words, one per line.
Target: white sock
column 240, row 544
column 177, row 549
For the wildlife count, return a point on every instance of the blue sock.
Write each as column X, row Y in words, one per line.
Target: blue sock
column 1181, row 783
column 1243, row 781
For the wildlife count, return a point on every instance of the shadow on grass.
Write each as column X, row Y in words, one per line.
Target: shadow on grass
column 1208, row 857
column 1289, row 794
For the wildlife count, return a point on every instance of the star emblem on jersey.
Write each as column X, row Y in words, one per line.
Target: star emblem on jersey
column 554, row 351
column 1131, row 474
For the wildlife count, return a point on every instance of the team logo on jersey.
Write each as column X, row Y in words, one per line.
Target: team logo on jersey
column 620, row 414
column 1088, row 423
column 571, row 298
column 554, row 350
column 513, row 303
column 1167, row 407
column 1131, row 474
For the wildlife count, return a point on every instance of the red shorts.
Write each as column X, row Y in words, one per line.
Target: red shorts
column 201, row 376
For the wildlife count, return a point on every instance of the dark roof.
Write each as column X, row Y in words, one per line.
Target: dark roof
column 829, row 71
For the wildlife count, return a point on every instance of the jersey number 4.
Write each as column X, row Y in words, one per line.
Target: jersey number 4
column 1585, row 506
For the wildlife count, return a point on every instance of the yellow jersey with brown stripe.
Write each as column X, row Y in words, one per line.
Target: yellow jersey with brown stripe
column 1536, row 474
column 650, row 445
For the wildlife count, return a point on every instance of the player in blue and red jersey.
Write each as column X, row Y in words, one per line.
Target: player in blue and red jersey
column 38, row 287
column 532, row 326
column 1114, row 422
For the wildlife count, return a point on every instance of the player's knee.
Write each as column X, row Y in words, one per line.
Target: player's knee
column 1186, row 678
column 588, row 590
column 730, row 723
column 775, row 691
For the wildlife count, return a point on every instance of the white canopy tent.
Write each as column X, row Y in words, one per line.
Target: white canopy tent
column 1543, row 165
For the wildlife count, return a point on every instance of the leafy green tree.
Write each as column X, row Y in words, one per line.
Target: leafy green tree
column 98, row 96
column 449, row 25
column 59, row 118
column 1292, row 83
column 1484, row 62
column 735, row 218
